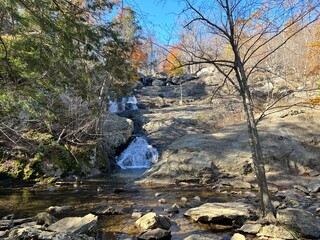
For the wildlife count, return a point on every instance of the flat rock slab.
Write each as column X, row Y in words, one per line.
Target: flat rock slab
column 6, row 224
column 314, row 186
column 220, row 212
column 275, row 232
column 75, row 225
column 155, row 234
column 251, row 228
column 301, row 221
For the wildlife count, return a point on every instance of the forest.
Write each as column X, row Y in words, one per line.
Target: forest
column 227, row 103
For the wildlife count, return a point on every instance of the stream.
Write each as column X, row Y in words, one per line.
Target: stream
column 118, row 190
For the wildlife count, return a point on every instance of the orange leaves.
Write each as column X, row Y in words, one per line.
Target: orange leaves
column 172, row 65
column 138, row 57
column 314, row 101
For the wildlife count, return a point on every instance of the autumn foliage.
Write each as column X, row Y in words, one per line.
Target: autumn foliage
column 138, row 57
column 172, row 65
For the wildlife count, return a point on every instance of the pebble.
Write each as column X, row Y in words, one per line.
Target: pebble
column 158, row 194
column 184, row 199
column 162, row 201
column 197, row 198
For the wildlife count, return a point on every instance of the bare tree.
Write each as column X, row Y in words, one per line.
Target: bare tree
column 254, row 30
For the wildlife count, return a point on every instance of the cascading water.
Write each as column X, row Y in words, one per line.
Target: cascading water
column 139, row 154
column 126, row 103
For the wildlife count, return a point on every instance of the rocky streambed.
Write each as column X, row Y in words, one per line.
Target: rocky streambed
column 202, row 186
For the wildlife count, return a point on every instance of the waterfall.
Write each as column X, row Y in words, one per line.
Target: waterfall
column 125, row 103
column 139, row 154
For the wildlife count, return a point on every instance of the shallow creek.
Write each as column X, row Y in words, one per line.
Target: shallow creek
column 87, row 194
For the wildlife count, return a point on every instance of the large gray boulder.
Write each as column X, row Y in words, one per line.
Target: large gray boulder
column 74, row 225
column 151, row 221
column 116, row 130
column 220, row 212
column 301, row 222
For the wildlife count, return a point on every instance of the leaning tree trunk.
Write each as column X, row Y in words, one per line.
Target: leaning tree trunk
column 257, row 157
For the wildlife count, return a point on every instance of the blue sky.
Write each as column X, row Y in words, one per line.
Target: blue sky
column 157, row 15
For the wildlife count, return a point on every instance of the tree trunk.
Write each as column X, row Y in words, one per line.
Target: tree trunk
column 257, row 157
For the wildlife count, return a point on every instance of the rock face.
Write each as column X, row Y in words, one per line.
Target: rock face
column 151, row 221
column 220, row 212
column 74, row 225
column 302, row 222
column 287, row 145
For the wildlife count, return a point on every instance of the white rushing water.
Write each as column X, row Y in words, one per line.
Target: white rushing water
column 139, row 154
column 126, row 103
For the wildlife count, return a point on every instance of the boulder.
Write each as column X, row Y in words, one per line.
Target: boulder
column 158, row 82
column 207, row 71
column 223, row 213
column 275, row 232
column 238, row 236
column 74, row 225
column 151, row 221
column 116, row 130
column 300, row 221
column 44, row 218
column 155, row 234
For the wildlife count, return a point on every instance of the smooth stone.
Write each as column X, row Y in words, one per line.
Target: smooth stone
column 197, row 198
column 238, row 236
column 151, row 221
column 184, row 199
column 21, row 221
column 162, row 201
